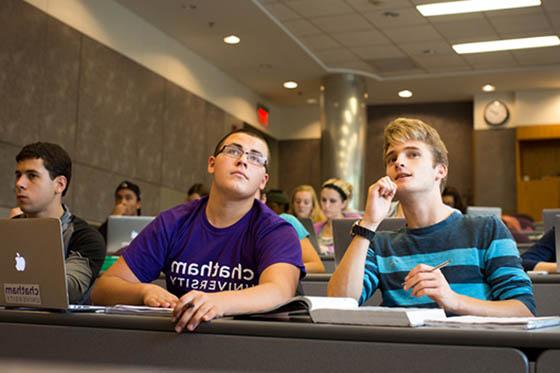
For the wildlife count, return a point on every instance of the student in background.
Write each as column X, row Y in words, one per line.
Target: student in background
column 451, row 197
column 128, row 202
column 196, row 191
column 43, row 174
column 335, row 196
column 224, row 254
column 484, row 277
column 278, row 202
column 542, row 255
column 304, row 204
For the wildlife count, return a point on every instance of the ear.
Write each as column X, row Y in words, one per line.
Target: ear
column 211, row 164
column 441, row 171
column 344, row 204
column 264, row 180
column 60, row 183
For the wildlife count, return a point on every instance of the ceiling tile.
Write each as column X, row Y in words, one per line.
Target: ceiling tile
column 348, row 22
column 551, row 5
column 439, row 48
column 336, row 55
column 521, row 23
column 378, row 51
column 319, row 42
column 467, row 31
column 368, row 6
column 317, row 8
column 440, row 61
column 361, row 38
column 494, row 60
column 280, row 11
column 410, row 34
column 386, row 65
column 538, row 56
column 355, row 65
column 554, row 18
column 301, row 27
column 387, row 18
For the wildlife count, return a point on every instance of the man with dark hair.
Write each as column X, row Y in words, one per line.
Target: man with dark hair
column 43, row 173
column 196, row 191
column 224, row 254
column 128, row 202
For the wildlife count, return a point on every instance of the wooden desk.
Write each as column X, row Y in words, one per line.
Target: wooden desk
column 127, row 342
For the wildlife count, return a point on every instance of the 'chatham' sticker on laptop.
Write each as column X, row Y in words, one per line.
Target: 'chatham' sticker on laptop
column 22, row 293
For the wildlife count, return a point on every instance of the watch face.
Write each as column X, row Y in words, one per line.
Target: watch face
column 496, row 113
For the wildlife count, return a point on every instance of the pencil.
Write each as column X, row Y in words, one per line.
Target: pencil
column 440, row 265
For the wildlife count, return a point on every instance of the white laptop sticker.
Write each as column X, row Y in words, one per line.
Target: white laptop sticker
column 22, row 293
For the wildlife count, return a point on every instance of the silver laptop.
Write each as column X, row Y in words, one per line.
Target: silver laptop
column 121, row 230
column 548, row 216
column 342, row 237
column 32, row 269
column 308, row 224
column 484, row 211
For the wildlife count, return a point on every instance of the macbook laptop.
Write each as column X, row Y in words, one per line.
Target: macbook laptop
column 548, row 216
column 121, row 230
column 32, row 270
column 308, row 224
column 342, row 236
column 484, row 211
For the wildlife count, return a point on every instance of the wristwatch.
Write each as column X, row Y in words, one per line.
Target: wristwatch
column 358, row 230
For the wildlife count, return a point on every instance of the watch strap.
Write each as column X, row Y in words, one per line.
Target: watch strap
column 358, row 230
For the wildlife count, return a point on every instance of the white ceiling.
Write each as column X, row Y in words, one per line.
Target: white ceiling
column 388, row 41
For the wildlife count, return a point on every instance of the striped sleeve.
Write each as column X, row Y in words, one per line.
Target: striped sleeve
column 371, row 276
column 504, row 272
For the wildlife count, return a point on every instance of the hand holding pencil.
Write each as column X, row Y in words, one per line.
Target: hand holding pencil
column 427, row 280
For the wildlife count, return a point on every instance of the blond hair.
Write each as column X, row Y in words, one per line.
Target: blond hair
column 343, row 188
column 401, row 130
column 316, row 212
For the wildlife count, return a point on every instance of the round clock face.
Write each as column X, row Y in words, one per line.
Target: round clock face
column 496, row 113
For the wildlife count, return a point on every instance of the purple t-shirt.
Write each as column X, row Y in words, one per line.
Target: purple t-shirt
column 194, row 255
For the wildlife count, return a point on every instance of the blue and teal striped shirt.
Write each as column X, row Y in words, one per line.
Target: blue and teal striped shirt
column 484, row 259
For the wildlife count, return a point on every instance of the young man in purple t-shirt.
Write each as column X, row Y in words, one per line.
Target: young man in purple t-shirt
column 225, row 254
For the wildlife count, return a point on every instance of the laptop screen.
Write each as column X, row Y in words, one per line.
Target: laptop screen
column 548, row 218
column 121, row 230
column 32, row 269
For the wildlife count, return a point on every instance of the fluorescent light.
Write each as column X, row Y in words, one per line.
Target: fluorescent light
column 232, row 39
column 290, row 85
column 488, row 88
column 470, row 6
column 405, row 93
column 508, row 44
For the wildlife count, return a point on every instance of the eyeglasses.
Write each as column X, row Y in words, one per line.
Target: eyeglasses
column 236, row 152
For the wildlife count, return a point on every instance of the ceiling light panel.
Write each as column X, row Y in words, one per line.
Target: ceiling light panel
column 508, row 44
column 471, row 6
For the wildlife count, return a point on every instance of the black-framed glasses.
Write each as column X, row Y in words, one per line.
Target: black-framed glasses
column 236, row 152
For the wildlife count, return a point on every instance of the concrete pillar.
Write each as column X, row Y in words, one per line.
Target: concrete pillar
column 343, row 131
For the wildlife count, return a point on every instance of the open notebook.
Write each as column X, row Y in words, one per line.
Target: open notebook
column 502, row 323
column 333, row 310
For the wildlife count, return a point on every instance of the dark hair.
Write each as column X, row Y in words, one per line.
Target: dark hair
column 56, row 160
column 133, row 188
column 276, row 197
column 457, row 200
column 199, row 189
column 248, row 131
